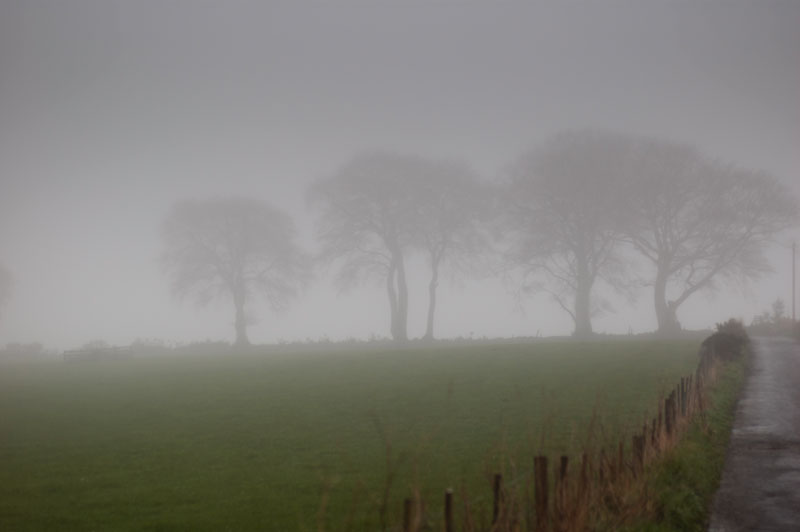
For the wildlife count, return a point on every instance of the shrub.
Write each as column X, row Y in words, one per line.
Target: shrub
column 727, row 343
column 733, row 327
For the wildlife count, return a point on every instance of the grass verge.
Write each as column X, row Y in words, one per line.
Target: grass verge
column 683, row 483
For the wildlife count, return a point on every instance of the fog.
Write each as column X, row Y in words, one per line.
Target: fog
column 112, row 112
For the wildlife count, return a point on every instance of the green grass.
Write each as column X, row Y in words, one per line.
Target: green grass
column 685, row 481
column 247, row 442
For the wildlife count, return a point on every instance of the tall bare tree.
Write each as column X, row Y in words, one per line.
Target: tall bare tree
column 561, row 210
column 452, row 207
column 699, row 221
column 366, row 224
column 234, row 248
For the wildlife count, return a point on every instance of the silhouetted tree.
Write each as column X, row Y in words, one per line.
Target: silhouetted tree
column 236, row 248
column 775, row 322
column 699, row 221
column 451, row 206
column 778, row 310
column 366, row 224
column 562, row 211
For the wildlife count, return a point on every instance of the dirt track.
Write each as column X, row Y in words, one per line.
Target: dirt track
column 761, row 480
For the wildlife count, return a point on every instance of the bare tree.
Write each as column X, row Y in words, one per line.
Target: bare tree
column 366, row 223
column 6, row 281
column 699, row 221
column 561, row 210
column 236, row 248
column 451, row 206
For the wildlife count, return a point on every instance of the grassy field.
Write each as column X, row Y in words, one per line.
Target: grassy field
column 258, row 441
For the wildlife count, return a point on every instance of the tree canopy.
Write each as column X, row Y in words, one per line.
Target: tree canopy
column 233, row 248
column 562, row 217
column 699, row 221
column 452, row 208
column 366, row 224
column 577, row 202
column 382, row 206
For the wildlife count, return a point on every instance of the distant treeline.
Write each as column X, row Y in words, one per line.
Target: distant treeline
column 568, row 216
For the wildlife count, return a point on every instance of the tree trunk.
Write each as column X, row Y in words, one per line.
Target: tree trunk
column 665, row 312
column 583, row 314
column 241, row 321
column 402, row 301
column 392, row 293
column 432, row 298
column 397, row 289
column 583, row 297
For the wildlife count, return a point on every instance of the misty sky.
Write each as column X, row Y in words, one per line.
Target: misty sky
column 110, row 111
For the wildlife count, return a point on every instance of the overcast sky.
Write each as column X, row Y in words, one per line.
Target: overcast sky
column 111, row 111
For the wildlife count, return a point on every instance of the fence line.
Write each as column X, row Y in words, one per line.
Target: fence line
column 603, row 480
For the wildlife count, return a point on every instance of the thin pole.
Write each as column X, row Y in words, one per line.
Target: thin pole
column 793, row 280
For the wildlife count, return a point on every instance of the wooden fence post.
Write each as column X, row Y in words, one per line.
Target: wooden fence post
column 638, row 454
column 497, row 489
column 580, row 510
column 601, row 470
column 449, row 525
column 660, row 426
column 540, row 492
column 407, row 510
column 561, row 512
column 653, row 440
column 675, row 406
column 583, row 485
column 683, row 397
column 668, row 416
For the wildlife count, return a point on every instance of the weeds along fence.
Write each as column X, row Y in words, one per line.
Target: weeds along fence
column 605, row 487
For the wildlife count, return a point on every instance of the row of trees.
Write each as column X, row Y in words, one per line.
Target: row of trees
column 563, row 220
column 581, row 199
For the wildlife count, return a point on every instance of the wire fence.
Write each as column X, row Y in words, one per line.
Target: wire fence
column 605, row 485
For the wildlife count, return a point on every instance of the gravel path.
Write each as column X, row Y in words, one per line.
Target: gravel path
column 760, row 487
